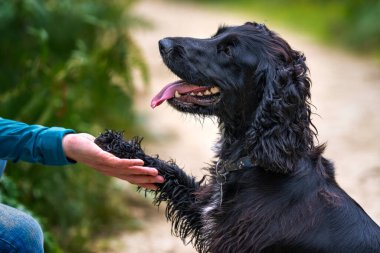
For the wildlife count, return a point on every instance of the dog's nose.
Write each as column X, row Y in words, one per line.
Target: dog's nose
column 165, row 46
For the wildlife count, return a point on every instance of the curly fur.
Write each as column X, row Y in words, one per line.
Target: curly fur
column 177, row 190
column 289, row 202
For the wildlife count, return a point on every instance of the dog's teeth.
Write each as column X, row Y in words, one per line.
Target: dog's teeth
column 192, row 94
column 215, row 90
column 200, row 94
column 176, row 94
column 207, row 92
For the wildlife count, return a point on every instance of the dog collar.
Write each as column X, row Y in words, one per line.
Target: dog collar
column 224, row 167
column 243, row 163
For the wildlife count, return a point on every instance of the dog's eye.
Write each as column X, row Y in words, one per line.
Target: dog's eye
column 225, row 50
column 227, row 45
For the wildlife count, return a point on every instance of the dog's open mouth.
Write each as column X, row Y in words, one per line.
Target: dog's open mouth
column 186, row 93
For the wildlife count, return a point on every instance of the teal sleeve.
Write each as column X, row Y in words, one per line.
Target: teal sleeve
column 32, row 143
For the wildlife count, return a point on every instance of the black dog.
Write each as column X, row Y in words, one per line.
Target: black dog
column 270, row 189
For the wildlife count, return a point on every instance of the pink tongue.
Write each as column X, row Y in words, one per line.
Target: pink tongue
column 169, row 90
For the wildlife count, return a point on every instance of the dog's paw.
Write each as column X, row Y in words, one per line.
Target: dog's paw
column 114, row 142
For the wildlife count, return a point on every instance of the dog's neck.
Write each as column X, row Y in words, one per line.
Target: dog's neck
column 232, row 145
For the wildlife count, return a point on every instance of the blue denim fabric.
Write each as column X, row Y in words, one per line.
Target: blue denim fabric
column 19, row 232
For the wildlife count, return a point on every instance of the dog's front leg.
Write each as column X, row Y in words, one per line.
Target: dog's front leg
column 178, row 190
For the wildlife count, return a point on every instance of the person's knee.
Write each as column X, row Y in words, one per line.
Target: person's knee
column 30, row 234
column 19, row 231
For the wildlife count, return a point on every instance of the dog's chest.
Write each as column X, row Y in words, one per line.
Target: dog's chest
column 208, row 221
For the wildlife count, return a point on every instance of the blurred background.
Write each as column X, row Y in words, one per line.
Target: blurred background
column 92, row 64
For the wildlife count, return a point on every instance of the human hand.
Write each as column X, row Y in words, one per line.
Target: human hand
column 81, row 148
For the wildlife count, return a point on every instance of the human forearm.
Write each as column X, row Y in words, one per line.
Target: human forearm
column 32, row 143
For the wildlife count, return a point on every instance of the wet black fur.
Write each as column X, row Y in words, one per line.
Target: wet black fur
column 178, row 189
column 288, row 203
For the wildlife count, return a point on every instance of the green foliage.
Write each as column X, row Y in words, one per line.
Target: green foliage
column 69, row 63
column 361, row 26
column 353, row 24
column 74, row 57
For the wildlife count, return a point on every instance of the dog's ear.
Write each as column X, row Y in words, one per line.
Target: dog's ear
column 281, row 130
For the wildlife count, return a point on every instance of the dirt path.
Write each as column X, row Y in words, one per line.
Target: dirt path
column 346, row 91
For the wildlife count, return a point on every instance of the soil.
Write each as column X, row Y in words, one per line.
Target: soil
column 345, row 92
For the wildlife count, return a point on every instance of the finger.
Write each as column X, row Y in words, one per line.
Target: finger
column 160, row 179
column 144, row 179
column 131, row 162
column 125, row 173
column 115, row 162
column 139, row 170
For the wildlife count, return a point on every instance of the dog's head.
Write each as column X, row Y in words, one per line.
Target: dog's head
column 216, row 73
column 248, row 77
